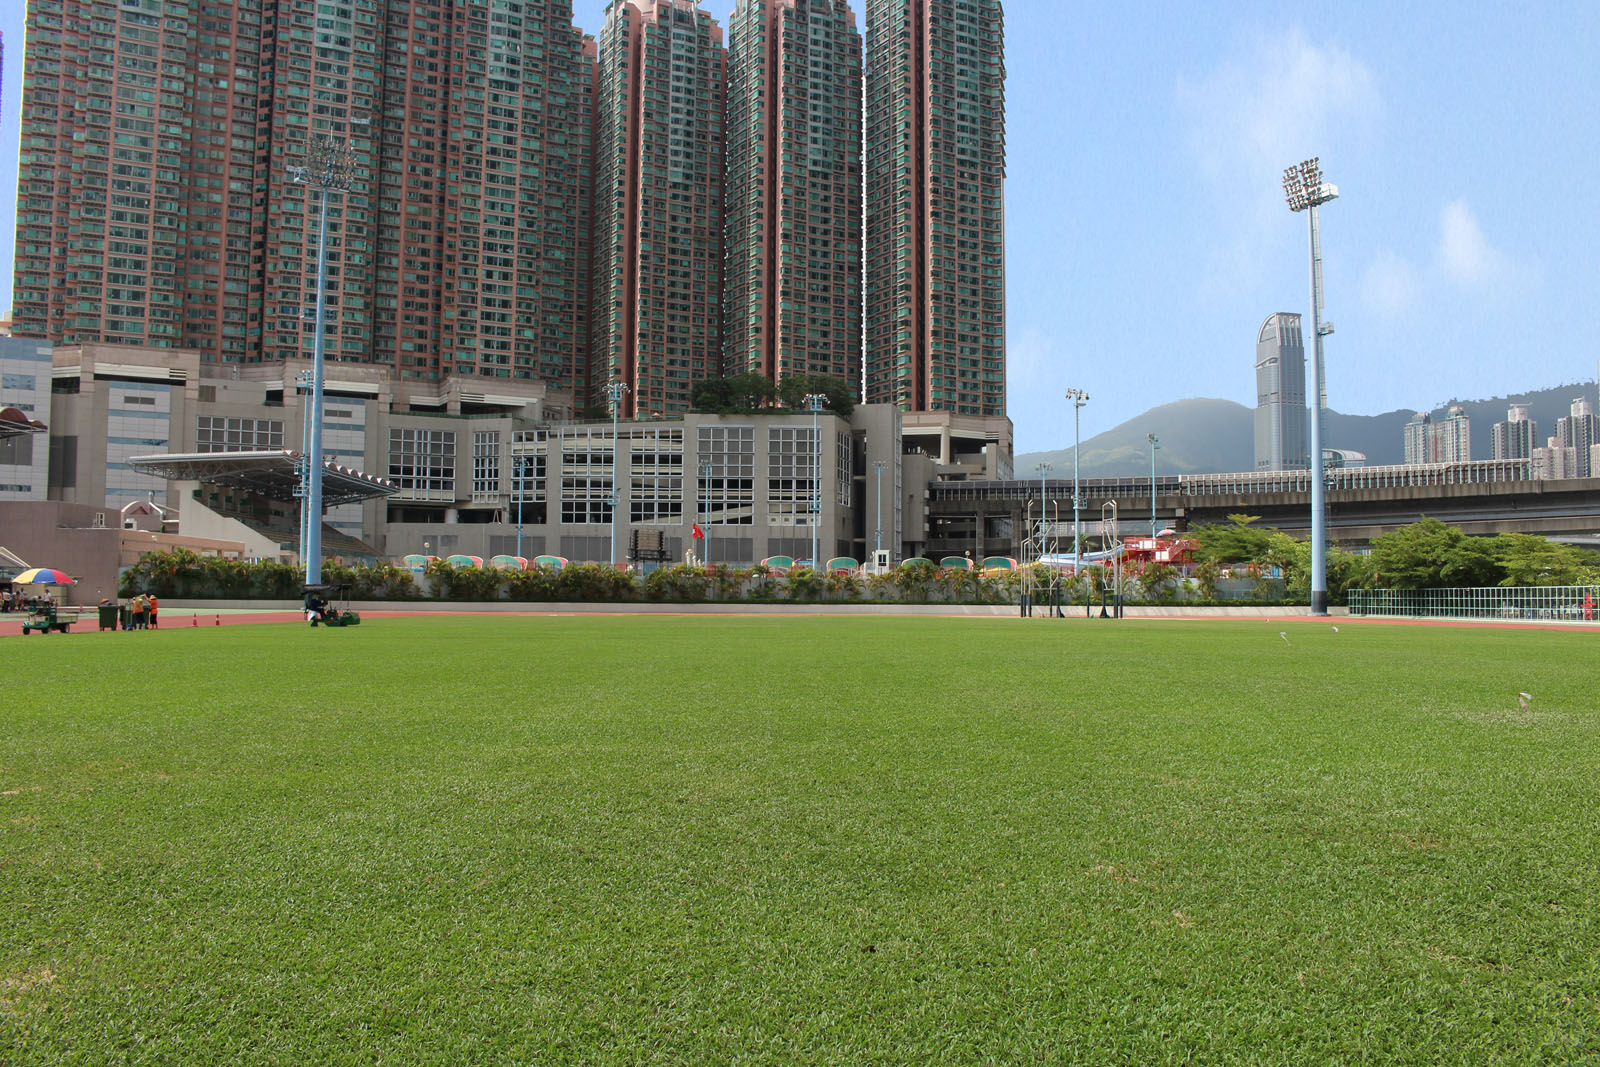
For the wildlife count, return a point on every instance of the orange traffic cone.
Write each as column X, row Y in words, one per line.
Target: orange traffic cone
column 194, row 620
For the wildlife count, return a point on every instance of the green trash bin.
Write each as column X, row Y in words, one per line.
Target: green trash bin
column 125, row 616
column 108, row 616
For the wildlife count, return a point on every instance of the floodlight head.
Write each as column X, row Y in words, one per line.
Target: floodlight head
column 814, row 401
column 1304, row 188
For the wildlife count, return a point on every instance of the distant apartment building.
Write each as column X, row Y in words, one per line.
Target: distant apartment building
column 1419, row 439
column 156, row 205
column 1516, row 437
column 935, row 221
column 1281, row 429
column 1577, row 432
column 1448, row 441
column 792, row 282
column 658, row 204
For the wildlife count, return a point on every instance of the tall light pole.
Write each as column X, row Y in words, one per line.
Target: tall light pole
column 329, row 168
column 1043, row 469
column 1078, row 398
column 1155, row 446
column 705, row 498
column 814, row 402
column 303, row 464
column 521, row 490
column 1305, row 190
column 614, row 393
column 877, row 537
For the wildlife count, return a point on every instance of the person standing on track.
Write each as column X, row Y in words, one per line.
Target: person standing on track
column 153, row 613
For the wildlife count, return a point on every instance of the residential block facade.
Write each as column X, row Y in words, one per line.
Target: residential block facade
column 935, row 221
column 657, row 204
column 792, row 281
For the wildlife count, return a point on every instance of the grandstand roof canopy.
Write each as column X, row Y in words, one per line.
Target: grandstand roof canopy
column 13, row 423
column 273, row 475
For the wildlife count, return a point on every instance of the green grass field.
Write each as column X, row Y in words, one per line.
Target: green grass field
column 799, row 840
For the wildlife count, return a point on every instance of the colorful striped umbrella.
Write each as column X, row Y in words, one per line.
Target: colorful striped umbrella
column 43, row 576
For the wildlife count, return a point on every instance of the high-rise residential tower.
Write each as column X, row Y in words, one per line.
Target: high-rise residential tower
column 1577, row 432
column 792, row 266
column 156, row 204
column 657, row 316
column 1282, row 441
column 1419, row 439
column 1517, row 437
column 935, row 230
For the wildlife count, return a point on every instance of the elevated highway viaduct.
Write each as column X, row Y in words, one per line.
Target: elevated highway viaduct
column 988, row 517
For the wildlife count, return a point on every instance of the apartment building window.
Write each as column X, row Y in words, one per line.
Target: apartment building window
column 423, row 463
column 790, row 479
column 218, row 433
column 656, row 473
column 485, row 466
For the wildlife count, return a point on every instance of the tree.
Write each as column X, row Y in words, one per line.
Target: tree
column 841, row 399
column 1528, row 559
column 1432, row 555
column 1236, row 542
column 712, row 396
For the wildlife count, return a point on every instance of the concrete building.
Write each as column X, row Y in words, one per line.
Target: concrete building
column 792, row 283
column 1516, row 437
column 1452, row 438
column 1419, row 440
column 1282, row 432
column 658, row 204
column 1449, row 441
column 1577, row 432
column 935, row 193
column 470, row 466
column 156, row 207
column 25, row 385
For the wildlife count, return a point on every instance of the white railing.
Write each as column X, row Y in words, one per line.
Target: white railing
column 1561, row 603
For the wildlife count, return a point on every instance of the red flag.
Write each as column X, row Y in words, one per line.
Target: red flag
column 698, row 533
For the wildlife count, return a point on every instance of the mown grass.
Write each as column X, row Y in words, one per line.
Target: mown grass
column 791, row 840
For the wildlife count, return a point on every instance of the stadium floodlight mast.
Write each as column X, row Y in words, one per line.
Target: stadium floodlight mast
column 1305, row 190
column 329, row 166
column 1078, row 398
column 614, row 394
column 814, row 402
column 1155, row 446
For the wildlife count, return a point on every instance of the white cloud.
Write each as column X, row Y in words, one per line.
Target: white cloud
column 1465, row 254
column 1390, row 285
column 1282, row 101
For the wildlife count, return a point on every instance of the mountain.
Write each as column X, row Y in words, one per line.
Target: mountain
column 1209, row 436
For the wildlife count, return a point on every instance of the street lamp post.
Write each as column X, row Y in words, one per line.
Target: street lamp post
column 705, row 504
column 614, row 393
column 1155, row 446
column 1043, row 469
column 814, row 402
column 1078, row 398
column 329, row 169
column 521, row 492
column 877, row 537
column 1305, row 190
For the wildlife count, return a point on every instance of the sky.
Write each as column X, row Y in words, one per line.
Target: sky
column 1147, row 236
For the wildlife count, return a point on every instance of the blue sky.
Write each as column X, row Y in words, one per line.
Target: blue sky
column 1147, row 232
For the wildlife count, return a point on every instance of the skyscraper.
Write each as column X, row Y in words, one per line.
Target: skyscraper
column 156, row 206
column 657, row 324
column 935, row 232
column 1452, row 438
column 1577, row 432
column 1282, row 441
column 1419, row 439
column 1515, row 438
column 792, row 281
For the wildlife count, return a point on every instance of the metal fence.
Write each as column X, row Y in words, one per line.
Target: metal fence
column 1563, row 603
